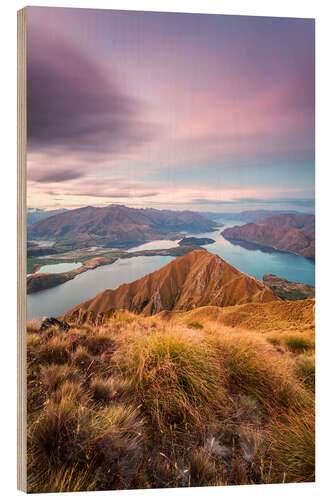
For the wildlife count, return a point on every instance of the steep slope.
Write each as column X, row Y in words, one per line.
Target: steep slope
column 286, row 238
column 117, row 224
column 196, row 279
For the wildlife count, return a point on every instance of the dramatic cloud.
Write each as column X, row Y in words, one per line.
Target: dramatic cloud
column 73, row 105
column 45, row 175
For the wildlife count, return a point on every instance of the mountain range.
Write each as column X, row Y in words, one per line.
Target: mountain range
column 193, row 280
column 246, row 215
column 119, row 225
column 285, row 232
column 37, row 214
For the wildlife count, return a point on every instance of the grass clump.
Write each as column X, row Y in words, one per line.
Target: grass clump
column 71, row 433
column 195, row 324
column 178, row 377
column 293, row 447
column 53, row 376
column 202, row 469
column 55, row 351
column 81, row 358
column 253, row 369
column 305, row 370
column 105, row 390
column 100, row 343
column 297, row 343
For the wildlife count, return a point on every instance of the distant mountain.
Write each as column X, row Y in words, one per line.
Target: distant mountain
column 283, row 232
column 119, row 225
column 299, row 221
column 193, row 280
column 245, row 216
column 259, row 215
column 37, row 214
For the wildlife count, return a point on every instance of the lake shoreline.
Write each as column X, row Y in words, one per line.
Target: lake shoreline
column 42, row 281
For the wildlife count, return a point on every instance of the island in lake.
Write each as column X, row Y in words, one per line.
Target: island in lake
column 192, row 241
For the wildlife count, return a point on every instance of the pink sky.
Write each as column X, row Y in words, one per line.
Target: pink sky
column 165, row 110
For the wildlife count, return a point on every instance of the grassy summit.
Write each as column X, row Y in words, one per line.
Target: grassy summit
column 171, row 400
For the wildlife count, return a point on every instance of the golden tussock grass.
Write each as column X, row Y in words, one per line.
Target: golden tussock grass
column 159, row 402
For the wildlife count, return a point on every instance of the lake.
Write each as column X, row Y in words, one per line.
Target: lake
column 155, row 245
column 60, row 268
column 259, row 262
column 58, row 300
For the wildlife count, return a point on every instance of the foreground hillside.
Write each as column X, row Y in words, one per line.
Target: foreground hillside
column 173, row 400
column 118, row 225
column 196, row 279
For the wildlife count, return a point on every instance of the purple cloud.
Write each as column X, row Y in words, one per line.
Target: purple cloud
column 45, row 175
column 73, row 105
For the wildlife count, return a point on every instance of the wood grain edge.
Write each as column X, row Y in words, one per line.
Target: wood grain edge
column 21, row 251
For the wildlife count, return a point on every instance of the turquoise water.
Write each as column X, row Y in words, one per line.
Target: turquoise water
column 59, row 268
column 58, row 300
column 258, row 262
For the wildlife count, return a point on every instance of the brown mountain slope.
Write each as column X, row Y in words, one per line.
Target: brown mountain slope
column 286, row 238
column 196, row 279
column 118, row 224
column 299, row 221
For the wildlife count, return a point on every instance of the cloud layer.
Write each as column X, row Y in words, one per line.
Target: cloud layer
column 168, row 108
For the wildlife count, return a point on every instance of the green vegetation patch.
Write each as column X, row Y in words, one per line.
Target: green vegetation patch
column 297, row 343
column 31, row 262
